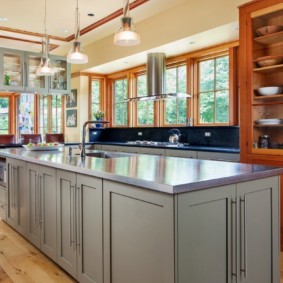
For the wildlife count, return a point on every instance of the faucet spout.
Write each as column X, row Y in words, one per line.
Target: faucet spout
column 83, row 136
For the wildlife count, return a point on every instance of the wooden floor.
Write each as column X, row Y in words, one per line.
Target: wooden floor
column 21, row 262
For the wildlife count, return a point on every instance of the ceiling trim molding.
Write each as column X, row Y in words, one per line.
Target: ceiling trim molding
column 85, row 30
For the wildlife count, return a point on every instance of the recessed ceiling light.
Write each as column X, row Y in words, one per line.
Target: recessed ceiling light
column 3, row 19
column 192, row 42
column 90, row 14
column 125, row 62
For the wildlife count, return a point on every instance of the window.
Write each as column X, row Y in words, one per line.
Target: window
column 50, row 114
column 56, row 114
column 176, row 109
column 213, row 90
column 95, row 98
column 145, row 109
column 4, row 115
column 26, row 114
column 120, row 105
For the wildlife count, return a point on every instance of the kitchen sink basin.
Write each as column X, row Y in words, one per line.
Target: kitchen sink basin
column 107, row 155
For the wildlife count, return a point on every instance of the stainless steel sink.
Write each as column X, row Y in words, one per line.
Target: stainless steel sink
column 107, row 155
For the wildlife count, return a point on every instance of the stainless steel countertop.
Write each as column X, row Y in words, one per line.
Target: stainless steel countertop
column 171, row 175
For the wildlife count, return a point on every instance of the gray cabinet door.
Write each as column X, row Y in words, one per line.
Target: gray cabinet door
column 66, row 230
column 138, row 235
column 48, row 223
column 206, row 236
column 258, row 231
column 41, row 186
column 89, row 229
column 33, row 233
column 17, row 195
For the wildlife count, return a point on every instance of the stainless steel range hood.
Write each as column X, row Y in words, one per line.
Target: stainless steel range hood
column 156, row 80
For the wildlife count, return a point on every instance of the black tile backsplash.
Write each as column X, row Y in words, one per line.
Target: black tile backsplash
column 224, row 136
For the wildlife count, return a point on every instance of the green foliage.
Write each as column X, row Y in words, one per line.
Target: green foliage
column 214, row 90
column 120, row 103
column 4, row 115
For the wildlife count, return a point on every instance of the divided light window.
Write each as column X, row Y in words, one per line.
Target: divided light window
column 50, row 114
column 213, row 90
column 120, row 104
column 4, row 115
column 176, row 109
column 95, row 99
column 145, row 109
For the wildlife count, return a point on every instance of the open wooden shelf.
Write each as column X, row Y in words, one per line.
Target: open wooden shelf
column 269, row 69
column 270, row 38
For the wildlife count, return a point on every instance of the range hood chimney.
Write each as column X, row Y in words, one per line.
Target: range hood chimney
column 156, row 80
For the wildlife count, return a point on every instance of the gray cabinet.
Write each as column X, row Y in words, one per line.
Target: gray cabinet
column 152, row 151
column 18, row 73
column 229, row 234
column 79, row 226
column 220, row 156
column 3, row 203
column 41, row 188
column 17, row 195
column 181, row 153
column 138, row 235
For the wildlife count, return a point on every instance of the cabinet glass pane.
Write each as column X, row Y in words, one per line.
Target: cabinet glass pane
column 34, row 81
column 13, row 69
column 59, row 80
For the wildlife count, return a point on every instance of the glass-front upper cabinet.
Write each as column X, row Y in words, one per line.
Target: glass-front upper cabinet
column 34, row 82
column 12, row 74
column 60, row 82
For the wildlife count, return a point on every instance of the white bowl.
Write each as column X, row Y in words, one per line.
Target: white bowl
column 270, row 90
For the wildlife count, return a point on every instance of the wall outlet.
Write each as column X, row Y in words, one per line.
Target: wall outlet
column 94, row 133
column 139, row 133
column 207, row 134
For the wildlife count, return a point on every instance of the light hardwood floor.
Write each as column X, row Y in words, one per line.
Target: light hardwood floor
column 21, row 262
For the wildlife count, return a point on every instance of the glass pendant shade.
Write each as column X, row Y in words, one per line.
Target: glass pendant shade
column 77, row 55
column 127, row 35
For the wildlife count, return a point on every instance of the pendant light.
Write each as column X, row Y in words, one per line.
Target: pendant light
column 45, row 68
column 127, row 34
column 76, row 55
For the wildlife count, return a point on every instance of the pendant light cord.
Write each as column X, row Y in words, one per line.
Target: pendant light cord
column 77, row 22
column 126, row 8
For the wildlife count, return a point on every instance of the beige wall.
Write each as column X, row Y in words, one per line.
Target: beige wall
column 81, row 84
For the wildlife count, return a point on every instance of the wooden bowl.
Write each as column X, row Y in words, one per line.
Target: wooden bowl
column 267, row 61
column 268, row 30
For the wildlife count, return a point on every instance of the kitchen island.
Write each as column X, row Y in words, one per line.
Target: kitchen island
column 143, row 218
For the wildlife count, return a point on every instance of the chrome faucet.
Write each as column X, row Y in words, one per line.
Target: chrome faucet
column 83, row 136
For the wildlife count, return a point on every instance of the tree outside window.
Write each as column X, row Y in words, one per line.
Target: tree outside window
column 176, row 109
column 120, row 105
column 4, row 115
column 214, row 90
column 50, row 114
column 145, row 109
column 95, row 97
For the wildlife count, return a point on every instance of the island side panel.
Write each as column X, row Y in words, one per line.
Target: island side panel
column 138, row 235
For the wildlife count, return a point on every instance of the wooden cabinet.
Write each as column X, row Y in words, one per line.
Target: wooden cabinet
column 229, row 234
column 138, row 235
column 41, row 192
column 79, row 226
column 17, row 195
column 18, row 69
column 261, row 115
